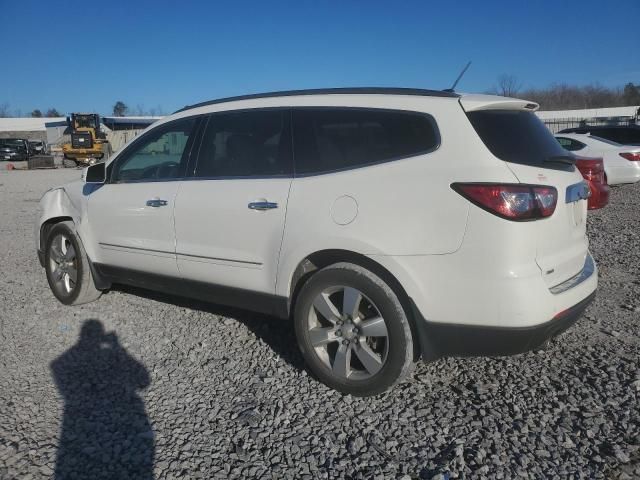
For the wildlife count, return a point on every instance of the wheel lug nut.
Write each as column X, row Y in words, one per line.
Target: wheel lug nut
column 345, row 342
column 339, row 333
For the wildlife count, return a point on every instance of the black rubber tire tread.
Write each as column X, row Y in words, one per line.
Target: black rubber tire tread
column 85, row 290
column 400, row 357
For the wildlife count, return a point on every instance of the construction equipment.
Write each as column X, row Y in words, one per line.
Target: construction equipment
column 88, row 143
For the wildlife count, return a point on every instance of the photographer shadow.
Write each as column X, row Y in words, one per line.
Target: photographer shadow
column 105, row 430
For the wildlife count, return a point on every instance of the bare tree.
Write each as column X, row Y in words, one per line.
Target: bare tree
column 4, row 110
column 569, row 97
column 508, row 85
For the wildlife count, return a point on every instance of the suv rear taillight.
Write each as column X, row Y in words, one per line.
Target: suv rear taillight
column 516, row 202
column 631, row 156
column 592, row 169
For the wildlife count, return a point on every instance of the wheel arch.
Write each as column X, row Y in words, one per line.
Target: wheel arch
column 47, row 225
column 323, row 258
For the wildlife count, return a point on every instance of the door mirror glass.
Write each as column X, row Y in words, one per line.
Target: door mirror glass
column 95, row 173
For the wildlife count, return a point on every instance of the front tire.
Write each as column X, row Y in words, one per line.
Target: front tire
column 353, row 331
column 67, row 266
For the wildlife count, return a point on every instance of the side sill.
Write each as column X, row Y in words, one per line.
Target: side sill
column 448, row 340
column 265, row 303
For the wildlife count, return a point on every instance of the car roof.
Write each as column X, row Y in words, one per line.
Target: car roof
column 330, row 91
column 603, row 127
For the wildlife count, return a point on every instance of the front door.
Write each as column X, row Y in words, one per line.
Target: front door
column 230, row 214
column 132, row 214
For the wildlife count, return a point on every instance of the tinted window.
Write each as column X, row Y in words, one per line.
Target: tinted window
column 629, row 136
column 604, row 140
column 246, row 144
column 515, row 136
column 333, row 139
column 570, row 144
column 160, row 154
column 614, row 134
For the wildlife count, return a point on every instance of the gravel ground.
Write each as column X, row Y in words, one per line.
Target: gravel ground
column 138, row 385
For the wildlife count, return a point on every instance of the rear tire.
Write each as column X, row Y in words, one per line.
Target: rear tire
column 67, row 266
column 352, row 330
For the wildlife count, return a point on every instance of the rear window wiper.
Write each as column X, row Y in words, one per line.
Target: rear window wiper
column 566, row 159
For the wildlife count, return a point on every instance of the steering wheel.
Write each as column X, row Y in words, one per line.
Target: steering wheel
column 166, row 169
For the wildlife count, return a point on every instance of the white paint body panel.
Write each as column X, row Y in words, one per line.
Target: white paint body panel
column 130, row 234
column 220, row 240
column 459, row 263
column 618, row 169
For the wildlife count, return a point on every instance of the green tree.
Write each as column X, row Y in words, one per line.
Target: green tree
column 52, row 112
column 36, row 113
column 120, row 109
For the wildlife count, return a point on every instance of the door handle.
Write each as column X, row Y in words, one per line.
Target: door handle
column 262, row 205
column 156, row 202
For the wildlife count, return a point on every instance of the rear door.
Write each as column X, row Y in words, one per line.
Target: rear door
column 230, row 212
column 518, row 137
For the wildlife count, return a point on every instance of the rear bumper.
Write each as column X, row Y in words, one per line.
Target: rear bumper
column 623, row 174
column 470, row 340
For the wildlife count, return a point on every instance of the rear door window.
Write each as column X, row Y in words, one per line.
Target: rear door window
column 246, row 144
column 516, row 136
column 332, row 139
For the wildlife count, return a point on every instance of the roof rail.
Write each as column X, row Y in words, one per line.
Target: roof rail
column 330, row 91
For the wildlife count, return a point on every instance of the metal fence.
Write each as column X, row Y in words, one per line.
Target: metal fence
column 557, row 124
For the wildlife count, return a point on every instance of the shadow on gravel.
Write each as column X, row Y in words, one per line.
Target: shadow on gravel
column 105, row 429
column 275, row 332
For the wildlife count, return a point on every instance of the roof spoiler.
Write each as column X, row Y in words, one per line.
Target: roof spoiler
column 472, row 103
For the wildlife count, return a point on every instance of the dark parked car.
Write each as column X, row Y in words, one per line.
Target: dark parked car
column 37, row 147
column 624, row 134
column 15, row 149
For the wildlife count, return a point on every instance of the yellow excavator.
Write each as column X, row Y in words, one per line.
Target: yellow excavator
column 88, row 143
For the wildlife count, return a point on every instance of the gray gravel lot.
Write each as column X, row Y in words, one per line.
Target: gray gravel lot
column 139, row 385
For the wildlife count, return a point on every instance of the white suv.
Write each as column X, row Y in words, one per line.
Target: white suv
column 391, row 224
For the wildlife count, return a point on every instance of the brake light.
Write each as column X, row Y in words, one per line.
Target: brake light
column 631, row 156
column 516, row 202
column 592, row 169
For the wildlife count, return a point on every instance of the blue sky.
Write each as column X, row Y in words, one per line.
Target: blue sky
column 84, row 56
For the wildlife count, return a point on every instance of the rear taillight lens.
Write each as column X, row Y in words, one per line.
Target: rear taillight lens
column 516, row 202
column 631, row 156
column 592, row 169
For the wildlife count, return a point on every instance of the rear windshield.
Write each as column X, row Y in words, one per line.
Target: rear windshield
column 516, row 136
column 604, row 140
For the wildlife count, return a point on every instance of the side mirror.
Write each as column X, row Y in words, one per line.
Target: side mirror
column 95, row 173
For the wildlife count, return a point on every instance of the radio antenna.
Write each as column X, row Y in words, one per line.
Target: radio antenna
column 455, row 84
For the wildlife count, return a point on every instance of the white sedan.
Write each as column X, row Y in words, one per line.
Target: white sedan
column 621, row 162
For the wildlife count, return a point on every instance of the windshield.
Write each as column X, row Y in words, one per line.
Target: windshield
column 85, row 121
column 516, row 136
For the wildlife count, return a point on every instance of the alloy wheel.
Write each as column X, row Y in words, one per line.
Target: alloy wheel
column 348, row 333
column 63, row 265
